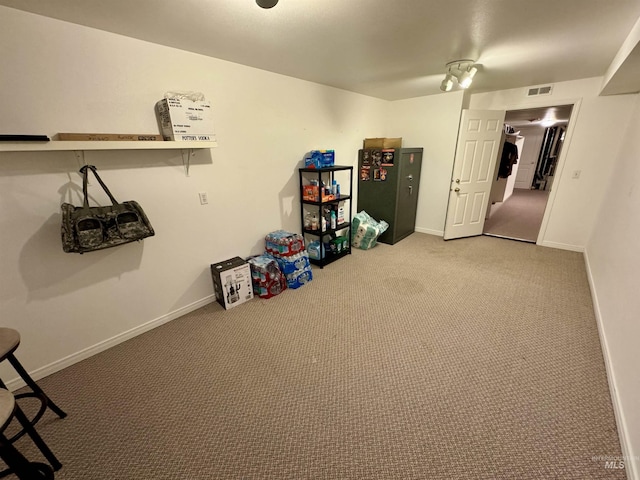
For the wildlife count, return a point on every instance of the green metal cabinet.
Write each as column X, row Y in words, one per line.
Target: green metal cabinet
column 388, row 189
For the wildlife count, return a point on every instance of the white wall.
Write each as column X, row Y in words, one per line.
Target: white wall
column 432, row 123
column 60, row 77
column 613, row 260
column 594, row 138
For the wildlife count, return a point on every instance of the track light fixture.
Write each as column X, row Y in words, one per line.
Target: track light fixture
column 462, row 71
column 447, row 83
column 267, row 3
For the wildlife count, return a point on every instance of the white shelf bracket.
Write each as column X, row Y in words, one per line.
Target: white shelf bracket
column 186, row 159
column 80, row 158
column 81, row 161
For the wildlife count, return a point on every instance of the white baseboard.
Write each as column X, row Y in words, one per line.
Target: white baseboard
column 617, row 410
column 106, row 344
column 438, row 233
column 563, row 246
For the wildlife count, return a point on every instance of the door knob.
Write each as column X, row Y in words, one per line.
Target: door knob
column 457, row 180
column 410, row 190
column 410, row 177
column 456, row 190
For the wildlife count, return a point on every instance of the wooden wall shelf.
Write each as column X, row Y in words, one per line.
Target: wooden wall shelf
column 70, row 146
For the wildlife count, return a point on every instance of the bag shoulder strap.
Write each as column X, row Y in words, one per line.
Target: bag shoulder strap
column 85, row 180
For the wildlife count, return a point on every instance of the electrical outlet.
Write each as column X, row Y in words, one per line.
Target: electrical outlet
column 576, row 174
column 203, row 198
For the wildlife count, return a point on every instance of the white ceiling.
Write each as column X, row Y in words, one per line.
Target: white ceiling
column 387, row 49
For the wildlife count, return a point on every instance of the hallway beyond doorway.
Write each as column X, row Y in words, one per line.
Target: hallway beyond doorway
column 519, row 217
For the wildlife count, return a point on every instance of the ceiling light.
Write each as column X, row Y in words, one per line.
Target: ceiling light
column 467, row 77
column 267, row 3
column 462, row 71
column 447, row 84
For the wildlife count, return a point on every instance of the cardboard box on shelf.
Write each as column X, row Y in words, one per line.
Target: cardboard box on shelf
column 232, row 282
column 185, row 120
column 382, row 143
column 109, row 137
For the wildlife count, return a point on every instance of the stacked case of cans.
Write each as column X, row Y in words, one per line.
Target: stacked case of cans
column 288, row 250
column 266, row 277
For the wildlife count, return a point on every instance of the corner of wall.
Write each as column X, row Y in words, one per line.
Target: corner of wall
column 623, row 436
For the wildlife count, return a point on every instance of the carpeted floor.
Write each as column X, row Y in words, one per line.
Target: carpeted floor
column 519, row 217
column 476, row 358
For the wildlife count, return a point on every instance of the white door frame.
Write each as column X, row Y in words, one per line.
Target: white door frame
column 566, row 145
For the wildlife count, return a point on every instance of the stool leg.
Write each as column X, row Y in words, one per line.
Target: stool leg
column 37, row 439
column 34, row 386
column 20, row 466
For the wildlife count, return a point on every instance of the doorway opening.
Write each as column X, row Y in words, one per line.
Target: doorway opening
column 520, row 193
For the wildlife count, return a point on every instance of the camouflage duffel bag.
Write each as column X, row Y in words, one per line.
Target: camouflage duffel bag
column 86, row 229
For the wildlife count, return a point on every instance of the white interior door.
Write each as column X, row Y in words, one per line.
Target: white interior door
column 479, row 141
column 528, row 159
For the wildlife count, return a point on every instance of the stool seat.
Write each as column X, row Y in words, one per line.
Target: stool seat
column 9, row 341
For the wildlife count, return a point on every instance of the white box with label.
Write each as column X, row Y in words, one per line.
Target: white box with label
column 185, row 120
column 232, row 282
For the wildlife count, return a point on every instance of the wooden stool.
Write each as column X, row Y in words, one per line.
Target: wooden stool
column 16, row 462
column 9, row 342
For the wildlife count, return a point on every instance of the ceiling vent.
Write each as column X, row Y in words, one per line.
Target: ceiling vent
column 536, row 91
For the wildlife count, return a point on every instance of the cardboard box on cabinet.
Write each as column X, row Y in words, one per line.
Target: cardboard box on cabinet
column 382, row 143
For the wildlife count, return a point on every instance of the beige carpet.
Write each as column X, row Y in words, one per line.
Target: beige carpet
column 469, row 359
column 519, row 217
